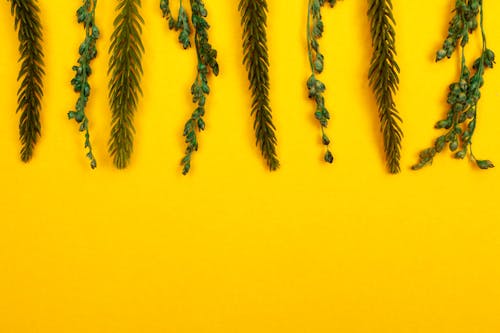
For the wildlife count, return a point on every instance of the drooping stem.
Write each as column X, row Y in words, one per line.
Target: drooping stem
column 463, row 97
column 88, row 52
column 315, row 87
column 206, row 56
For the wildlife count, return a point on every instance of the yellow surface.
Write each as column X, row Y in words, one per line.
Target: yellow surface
column 233, row 248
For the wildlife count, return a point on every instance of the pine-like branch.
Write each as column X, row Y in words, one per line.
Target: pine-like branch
column 316, row 88
column 253, row 20
column 87, row 51
column 29, row 28
column 463, row 97
column 384, row 80
column 125, row 70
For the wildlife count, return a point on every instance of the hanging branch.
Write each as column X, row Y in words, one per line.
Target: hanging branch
column 29, row 28
column 88, row 51
column 207, row 62
column 464, row 95
column 383, row 76
column 256, row 60
column 316, row 88
column 125, row 69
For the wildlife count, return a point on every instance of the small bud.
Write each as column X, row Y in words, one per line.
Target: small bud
column 325, row 140
column 441, row 54
column 454, row 145
column 328, row 157
column 460, row 155
column 484, row 164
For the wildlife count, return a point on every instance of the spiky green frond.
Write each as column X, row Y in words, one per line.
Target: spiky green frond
column 29, row 28
column 463, row 97
column 87, row 52
column 316, row 88
column 125, row 70
column 384, row 79
column 256, row 59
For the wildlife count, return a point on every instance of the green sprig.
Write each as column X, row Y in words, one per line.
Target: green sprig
column 29, row 28
column 207, row 63
column 316, row 88
column 256, row 59
column 125, row 70
column 383, row 77
column 463, row 97
column 87, row 51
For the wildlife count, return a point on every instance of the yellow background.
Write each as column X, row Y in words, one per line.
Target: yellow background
column 231, row 247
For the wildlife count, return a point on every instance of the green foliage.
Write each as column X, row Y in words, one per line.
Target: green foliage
column 207, row 62
column 253, row 19
column 384, row 80
column 125, row 69
column 87, row 51
column 180, row 24
column 29, row 28
column 464, row 95
column 315, row 28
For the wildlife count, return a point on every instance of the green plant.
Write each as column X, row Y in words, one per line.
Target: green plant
column 125, row 70
column 29, row 27
column 253, row 20
column 315, row 28
column 383, row 77
column 87, row 51
column 464, row 95
column 207, row 61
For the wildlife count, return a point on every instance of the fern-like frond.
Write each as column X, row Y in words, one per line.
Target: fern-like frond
column 29, row 28
column 256, row 59
column 87, row 51
column 125, row 70
column 383, row 77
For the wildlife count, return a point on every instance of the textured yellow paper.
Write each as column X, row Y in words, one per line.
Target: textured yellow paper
column 233, row 248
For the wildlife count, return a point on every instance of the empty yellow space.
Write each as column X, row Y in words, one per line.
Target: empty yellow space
column 232, row 247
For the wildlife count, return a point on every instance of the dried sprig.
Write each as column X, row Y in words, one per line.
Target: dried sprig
column 316, row 88
column 125, row 69
column 29, row 28
column 87, row 51
column 464, row 95
column 256, row 59
column 384, row 80
column 207, row 62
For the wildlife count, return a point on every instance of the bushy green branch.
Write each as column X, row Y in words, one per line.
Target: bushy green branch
column 464, row 95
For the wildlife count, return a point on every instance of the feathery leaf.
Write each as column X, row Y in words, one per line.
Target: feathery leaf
column 256, row 59
column 28, row 25
column 383, row 77
column 125, row 69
